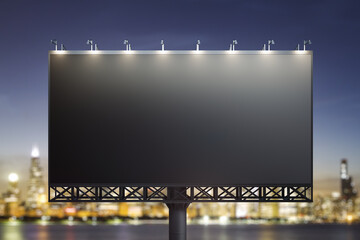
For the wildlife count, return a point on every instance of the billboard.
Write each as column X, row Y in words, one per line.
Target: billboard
column 180, row 118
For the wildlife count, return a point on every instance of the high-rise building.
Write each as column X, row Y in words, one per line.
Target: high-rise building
column 12, row 196
column 36, row 188
column 347, row 185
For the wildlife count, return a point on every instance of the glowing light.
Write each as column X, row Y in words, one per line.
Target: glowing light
column 13, row 177
column 197, row 52
column 206, row 219
column 223, row 219
column 94, row 52
column 44, row 220
column 349, row 218
column 70, row 221
column 335, row 194
column 265, row 52
column 42, row 198
column 70, row 210
column 35, row 152
column 116, row 221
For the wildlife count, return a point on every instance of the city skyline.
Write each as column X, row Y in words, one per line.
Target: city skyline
column 333, row 29
column 23, row 179
column 338, row 207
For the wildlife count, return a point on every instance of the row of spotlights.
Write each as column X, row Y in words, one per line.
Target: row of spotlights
column 94, row 46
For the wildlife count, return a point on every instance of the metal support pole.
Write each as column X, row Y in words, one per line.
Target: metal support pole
column 177, row 215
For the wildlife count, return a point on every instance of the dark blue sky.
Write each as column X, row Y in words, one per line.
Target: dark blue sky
column 26, row 28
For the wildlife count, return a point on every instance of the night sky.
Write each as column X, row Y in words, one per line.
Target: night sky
column 26, row 28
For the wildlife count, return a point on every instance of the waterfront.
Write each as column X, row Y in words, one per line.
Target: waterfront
column 27, row 231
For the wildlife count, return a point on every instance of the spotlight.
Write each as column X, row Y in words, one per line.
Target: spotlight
column 270, row 42
column 307, row 42
column 54, row 41
column 264, row 47
column 127, row 45
column 198, row 45
column 96, row 47
column 297, row 47
column 90, row 42
column 162, row 45
column 233, row 44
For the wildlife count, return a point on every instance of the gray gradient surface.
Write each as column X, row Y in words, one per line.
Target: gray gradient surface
column 180, row 119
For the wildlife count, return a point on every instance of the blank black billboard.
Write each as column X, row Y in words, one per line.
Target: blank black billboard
column 180, row 118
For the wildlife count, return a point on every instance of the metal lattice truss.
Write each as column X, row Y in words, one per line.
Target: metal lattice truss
column 185, row 194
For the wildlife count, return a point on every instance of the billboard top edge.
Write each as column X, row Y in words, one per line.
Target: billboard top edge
column 201, row 52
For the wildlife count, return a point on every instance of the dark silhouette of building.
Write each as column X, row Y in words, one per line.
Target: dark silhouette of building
column 347, row 185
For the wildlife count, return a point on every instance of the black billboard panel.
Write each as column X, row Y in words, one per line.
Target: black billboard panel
column 180, row 118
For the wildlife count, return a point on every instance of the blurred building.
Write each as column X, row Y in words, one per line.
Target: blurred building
column 36, row 196
column 11, row 198
column 2, row 207
column 348, row 191
column 155, row 210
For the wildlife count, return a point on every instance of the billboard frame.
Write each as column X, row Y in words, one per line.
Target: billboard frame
column 184, row 194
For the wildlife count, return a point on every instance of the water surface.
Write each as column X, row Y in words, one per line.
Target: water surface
column 21, row 231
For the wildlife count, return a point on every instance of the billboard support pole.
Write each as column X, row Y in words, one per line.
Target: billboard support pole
column 177, row 215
